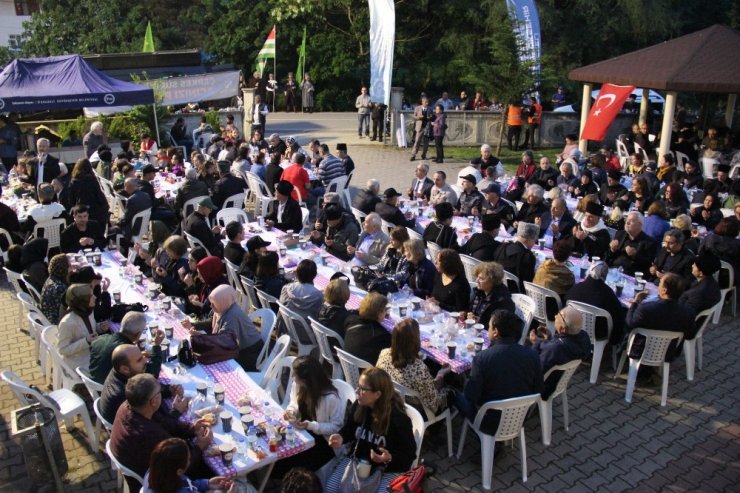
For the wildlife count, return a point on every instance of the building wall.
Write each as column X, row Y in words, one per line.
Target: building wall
column 10, row 22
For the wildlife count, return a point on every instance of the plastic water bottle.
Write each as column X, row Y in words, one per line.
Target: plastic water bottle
column 241, row 447
column 251, row 437
column 290, row 434
column 584, row 266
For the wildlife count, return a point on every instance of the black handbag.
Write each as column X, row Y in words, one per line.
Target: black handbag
column 363, row 276
column 117, row 312
column 382, row 285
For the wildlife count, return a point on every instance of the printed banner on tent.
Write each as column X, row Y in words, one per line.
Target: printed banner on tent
column 528, row 31
column 604, row 111
column 382, row 39
column 195, row 88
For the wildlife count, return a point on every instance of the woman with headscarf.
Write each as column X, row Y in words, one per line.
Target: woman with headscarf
column 211, row 272
column 77, row 329
column 594, row 291
column 35, row 270
column 99, row 285
column 52, row 294
column 229, row 317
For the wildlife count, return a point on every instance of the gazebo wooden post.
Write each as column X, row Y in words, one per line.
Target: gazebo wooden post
column 644, row 105
column 730, row 109
column 665, row 133
column 585, row 110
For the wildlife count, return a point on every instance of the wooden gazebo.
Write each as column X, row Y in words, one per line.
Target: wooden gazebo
column 704, row 61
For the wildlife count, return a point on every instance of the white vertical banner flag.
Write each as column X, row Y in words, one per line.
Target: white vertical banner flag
column 382, row 39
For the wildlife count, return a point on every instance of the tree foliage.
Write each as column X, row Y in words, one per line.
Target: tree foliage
column 465, row 44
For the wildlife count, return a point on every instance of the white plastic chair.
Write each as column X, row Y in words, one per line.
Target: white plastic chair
column 9, row 239
column 709, row 166
column 430, row 418
column 19, row 285
column 273, row 380
column 359, row 215
column 190, row 205
column 469, row 263
column 434, row 250
column 267, row 326
column 540, row 296
column 94, row 388
column 251, row 292
column 512, row 282
column 63, row 376
column 299, row 330
column 37, row 321
column 106, row 424
column 337, row 185
column 351, row 366
column 419, row 427
column 511, row 426
column 235, row 201
column 266, row 300
column 68, row 404
column 561, row 389
column 305, row 214
column 413, row 234
column 140, row 225
column 33, row 291
column 322, row 334
column 386, row 226
column 229, row 214
column 729, row 288
column 123, row 471
column 657, row 343
column 263, row 195
column 279, row 350
column 681, row 159
column 525, row 308
column 623, row 154
column 195, row 242
column 640, row 150
column 344, row 390
column 51, row 230
column 694, row 348
column 590, row 314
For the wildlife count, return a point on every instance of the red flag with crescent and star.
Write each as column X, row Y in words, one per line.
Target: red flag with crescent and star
column 604, row 111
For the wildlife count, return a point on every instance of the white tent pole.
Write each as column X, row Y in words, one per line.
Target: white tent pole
column 644, row 105
column 730, row 109
column 665, row 132
column 585, row 110
column 156, row 123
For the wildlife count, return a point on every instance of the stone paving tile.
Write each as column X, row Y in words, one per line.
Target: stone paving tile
column 691, row 444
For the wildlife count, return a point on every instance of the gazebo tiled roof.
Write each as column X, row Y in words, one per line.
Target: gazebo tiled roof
column 704, row 61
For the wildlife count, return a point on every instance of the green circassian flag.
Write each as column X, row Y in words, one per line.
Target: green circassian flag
column 148, row 39
column 267, row 51
column 301, row 59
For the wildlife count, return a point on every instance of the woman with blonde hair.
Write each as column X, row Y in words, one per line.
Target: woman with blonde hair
column 333, row 313
column 418, row 271
column 377, row 429
column 490, row 293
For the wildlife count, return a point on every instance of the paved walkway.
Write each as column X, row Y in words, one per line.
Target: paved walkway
column 692, row 444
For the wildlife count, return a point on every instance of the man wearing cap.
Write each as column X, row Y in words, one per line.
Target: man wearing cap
column 516, row 256
column 388, row 210
column 440, row 231
column 256, row 247
column 341, row 232
column 46, row 209
column 632, row 249
column 493, row 204
column 673, row 257
column 373, row 242
column 284, row 213
column 591, row 236
column 441, row 191
column 470, row 199
column 559, row 98
column 421, row 185
column 148, row 173
column 347, row 163
column 320, row 226
column 227, row 185
column 472, row 170
column 82, row 233
column 422, row 118
column 483, row 245
column 705, row 292
column 366, row 199
column 198, row 225
column 613, row 189
column 558, row 221
column 137, row 201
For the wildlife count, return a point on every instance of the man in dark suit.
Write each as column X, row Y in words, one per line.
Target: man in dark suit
column 557, row 222
column 440, row 231
column 422, row 118
column 505, row 356
column 705, row 292
column 274, row 173
column 675, row 257
column 516, row 257
column 284, row 213
column 631, row 248
column 44, row 168
column 483, row 245
column 227, row 185
column 198, row 225
column 389, row 211
column 366, row 199
column 421, row 186
column 82, row 233
column 138, row 201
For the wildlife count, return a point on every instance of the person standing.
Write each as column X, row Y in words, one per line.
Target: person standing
column 271, row 89
column 363, row 105
column 290, row 99
column 378, row 114
column 439, row 127
column 514, row 124
column 307, row 92
column 533, row 122
column 258, row 115
column 422, row 116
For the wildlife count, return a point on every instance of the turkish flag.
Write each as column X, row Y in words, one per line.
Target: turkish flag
column 604, row 111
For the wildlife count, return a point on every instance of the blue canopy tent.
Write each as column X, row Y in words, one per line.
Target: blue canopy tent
column 64, row 82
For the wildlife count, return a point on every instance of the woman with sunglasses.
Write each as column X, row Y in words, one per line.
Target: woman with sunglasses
column 376, row 430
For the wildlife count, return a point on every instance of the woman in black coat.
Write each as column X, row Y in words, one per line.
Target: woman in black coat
column 85, row 189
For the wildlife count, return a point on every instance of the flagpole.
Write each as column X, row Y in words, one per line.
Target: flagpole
column 274, row 77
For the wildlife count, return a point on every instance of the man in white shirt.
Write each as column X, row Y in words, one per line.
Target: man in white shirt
column 258, row 115
column 421, row 185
